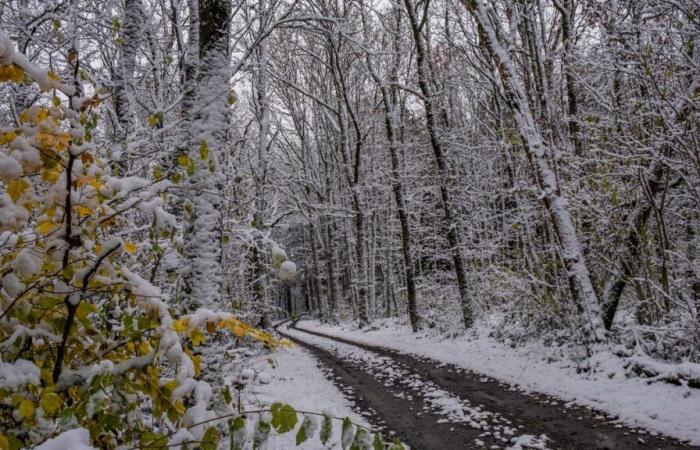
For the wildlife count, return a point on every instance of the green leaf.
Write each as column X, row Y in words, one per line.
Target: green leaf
column 361, row 441
column 15, row 443
column 204, row 150
column 149, row 437
column 191, row 168
column 142, row 323
column 284, row 417
column 210, row 441
column 306, row 428
column 236, row 431
column 227, row 394
column 347, row 434
column 85, row 309
column 326, row 429
column 301, row 435
column 397, row 445
column 155, row 119
column 261, row 434
column 128, row 322
column 237, row 424
column 378, row 443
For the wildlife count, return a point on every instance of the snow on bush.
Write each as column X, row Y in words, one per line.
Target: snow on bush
column 75, row 439
column 288, row 270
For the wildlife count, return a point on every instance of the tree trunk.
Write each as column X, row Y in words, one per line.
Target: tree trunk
column 447, row 207
column 557, row 206
column 202, row 271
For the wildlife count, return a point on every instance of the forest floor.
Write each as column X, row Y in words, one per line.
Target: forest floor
column 431, row 404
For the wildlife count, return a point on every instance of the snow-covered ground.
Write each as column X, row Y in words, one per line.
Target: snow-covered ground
column 658, row 407
column 293, row 376
column 403, row 383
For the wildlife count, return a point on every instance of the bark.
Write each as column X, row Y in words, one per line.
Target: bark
column 201, row 275
column 315, row 272
column 438, row 152
column 567, row 10
column 353, row 180
column 263, row 118
column 389, row 97
column 537, row 151
column 132, row 25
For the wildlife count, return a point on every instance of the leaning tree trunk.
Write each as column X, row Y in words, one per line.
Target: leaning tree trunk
column 492, row 36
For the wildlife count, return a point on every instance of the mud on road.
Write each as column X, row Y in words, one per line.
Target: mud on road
column 415, row 398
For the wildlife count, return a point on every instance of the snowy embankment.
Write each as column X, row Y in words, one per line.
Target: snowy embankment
column 659, row 407
column 292, row 376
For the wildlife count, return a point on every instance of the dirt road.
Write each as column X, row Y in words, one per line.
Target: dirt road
column 430, row 405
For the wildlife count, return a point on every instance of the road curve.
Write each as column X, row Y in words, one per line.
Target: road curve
column 431, row 405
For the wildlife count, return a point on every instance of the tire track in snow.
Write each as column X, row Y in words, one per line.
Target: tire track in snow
column 462, row 400
column 421, row 413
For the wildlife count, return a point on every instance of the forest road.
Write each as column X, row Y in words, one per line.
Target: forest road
column 430, row 405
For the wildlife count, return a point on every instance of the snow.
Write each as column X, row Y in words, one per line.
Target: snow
column 528, row 441
column 10, row 168
column 400, row 380
column 278, row 256
column 660, row 407
column 292, row 376
column 11, row 215
column 288, row 270
column 75, row 439
column 11, row 284
column 14, row 376
column 8, row 56
column 27, row 263
column 7, row 50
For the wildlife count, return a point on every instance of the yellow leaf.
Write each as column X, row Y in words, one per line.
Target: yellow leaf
column 42, row 115
column 196, row 337
column 181, row 325
column 50, row 403
column 16, row 188
column 130, row 247
column 11, row 73
column 45, row 227
column 4, row 443
column 86, row 158
column 49, row 175
column 24, row 116
column 7, row 137
column 179, row 406
column 95, row 183
column 158, row 173
column 84, row 210
column 26, row 409
column 144, row 347
column 197, row 361
column 183, row 160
